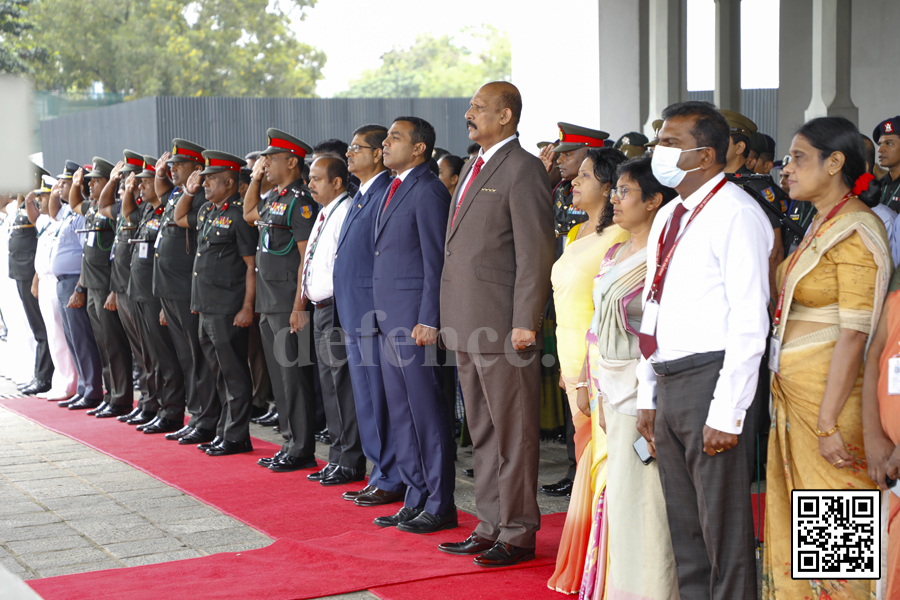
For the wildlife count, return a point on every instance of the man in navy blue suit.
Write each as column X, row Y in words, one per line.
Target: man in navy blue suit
column 354, row 311
column 409, row 256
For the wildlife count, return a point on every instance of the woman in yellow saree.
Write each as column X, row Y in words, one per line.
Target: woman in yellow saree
column 830, row 293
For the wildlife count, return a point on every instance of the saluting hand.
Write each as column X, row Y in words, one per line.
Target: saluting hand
column 162, row 165
column 130, row 183
column 546, row 156
column 193, row 183
column 78, row 177
column 259, row 168
column 116, row 172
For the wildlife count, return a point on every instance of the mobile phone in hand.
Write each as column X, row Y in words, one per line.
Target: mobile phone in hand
column 643, row 452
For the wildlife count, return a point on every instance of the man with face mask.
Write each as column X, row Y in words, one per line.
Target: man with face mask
column 702, row 336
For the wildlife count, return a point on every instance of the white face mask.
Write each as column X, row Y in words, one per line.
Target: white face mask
column 665, row 165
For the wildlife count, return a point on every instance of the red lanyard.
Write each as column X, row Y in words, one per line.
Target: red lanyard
column 664, row 266
column 806, row 242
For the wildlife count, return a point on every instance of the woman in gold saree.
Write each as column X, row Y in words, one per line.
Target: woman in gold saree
column 830, row 293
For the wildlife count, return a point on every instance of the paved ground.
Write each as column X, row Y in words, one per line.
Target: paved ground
column 65, row 508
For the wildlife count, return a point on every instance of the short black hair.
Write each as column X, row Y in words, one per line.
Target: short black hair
column 711, row 129
column 767, row 156
column 455, row 163
column 870, row 151
column 838, row 134
column 474, row 148
column 737, row 138
column 252, row 155
column 374, row 135
column 335, row 168
column 246, row 175
column 606, row 161
column 640, row 171
column 422, row 133
column 332, row 147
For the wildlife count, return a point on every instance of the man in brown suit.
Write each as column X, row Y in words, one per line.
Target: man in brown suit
column 500, row 247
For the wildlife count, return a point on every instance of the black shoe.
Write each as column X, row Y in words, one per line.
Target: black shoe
column 22, row 386
column 323, row 437
column 289, row 463
column 197, row 436
column 269, row 419
column 163, row 425
column 177, row 435
column 320, row 475
column 425, row 522
column 560, row 488
column 99, row 408
column 38, row 386
column 112, row 410
column 149, row 423
column 131, row 415
column 207, row 445
column 502, row 554
column 474, row 544
column 405, row 514
column 469, row 472
column 72, row 400
column 226, row 448
column 256, row 416
column 142, row 418
column 85, row 403
column 268, row 460
column 342, row 475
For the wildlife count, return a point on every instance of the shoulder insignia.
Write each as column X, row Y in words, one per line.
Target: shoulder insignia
column 306, row 211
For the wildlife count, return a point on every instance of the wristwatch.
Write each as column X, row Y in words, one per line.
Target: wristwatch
column 79, row 289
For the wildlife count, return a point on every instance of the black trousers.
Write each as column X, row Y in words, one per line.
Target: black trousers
column 707, row 497
column 288, row 357
column 259, row 370
column 225, row 348
column 128, row 315
column 43, row 364
column 162, row 362
column 201, row 397
column 115, row 352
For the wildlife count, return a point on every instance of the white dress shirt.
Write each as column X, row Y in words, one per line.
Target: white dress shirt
column 715, row 297
column 318, row 275
column 363, row 188
column 485, row 156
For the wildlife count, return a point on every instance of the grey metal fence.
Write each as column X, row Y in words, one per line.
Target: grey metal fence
column 760, row 106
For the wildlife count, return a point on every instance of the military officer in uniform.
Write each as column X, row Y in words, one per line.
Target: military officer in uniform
column 173, row 268
column 223, row 292
column 96, row 269
column 656, row 126
column 285, row 219
column 22, row 248
column 887, row 137
column 632, row 144
column 742, row 129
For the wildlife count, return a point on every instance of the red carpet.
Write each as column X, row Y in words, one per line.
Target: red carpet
column 324, row 545
column 521, row 583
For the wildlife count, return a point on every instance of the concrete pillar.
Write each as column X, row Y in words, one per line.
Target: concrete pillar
column 795, row 80
column 666, row 57
column 831, row 27
column 728, row 55
column 623, row 59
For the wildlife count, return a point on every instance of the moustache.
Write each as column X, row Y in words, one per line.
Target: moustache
column 471, row 125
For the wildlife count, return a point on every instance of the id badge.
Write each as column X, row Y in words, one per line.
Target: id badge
column 649, row 318
column 894, row 376
column 774, row 353
column 90, row 239
column 265, row 244
column 142, row 249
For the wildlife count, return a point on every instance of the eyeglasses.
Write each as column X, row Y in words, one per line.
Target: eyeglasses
column 356, row 148
column 619, row 193
column 785, row 160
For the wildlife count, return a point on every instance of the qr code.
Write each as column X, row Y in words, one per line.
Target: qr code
column 836, row 534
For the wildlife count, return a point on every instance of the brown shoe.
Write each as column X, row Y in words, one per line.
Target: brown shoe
column 502, row 554
column 474, row 544
column 378, row 498
column 351, row 496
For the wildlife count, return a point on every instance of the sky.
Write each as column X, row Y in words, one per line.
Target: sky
column 390, row 23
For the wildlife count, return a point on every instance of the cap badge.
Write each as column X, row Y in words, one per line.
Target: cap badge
column 626, row 141
column 888, row 128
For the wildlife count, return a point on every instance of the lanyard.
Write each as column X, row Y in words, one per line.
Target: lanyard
column 796, row 256
column 315, row 243
column 664, row 266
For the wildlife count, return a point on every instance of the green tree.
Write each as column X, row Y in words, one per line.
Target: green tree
column 446, row 66
column 176, row 47
column 16, row 47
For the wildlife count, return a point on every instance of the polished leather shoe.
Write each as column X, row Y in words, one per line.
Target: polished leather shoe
column 268, row 460
column 211, row 443
column 268, row 420
column 85, row 403
column 287, row 464
column 142, row 418
column 100, row 408
column 320, row 475
column 38, row 386
column 351, row 496
column 342, row 475
column 403, row 515
column 560, row 488
column 226, row 448
column 164, row 425
column 198, row 435
column 258, row 411
column 474, row 544
column 502, row 554
column 177, row 435
column 72, row 400
column 425, row 522
column 265, row 416
column 469, row 472
column 113, row 410
column 323, row 437
column 131, row 415
column 149, row 423
column 378, row 498
column 22, row 386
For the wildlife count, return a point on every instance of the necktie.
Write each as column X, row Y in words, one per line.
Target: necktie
column 648, row 342
column 475, row 170
column 394, row 185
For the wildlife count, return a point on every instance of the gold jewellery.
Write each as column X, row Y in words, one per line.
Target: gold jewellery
column 831, row 431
